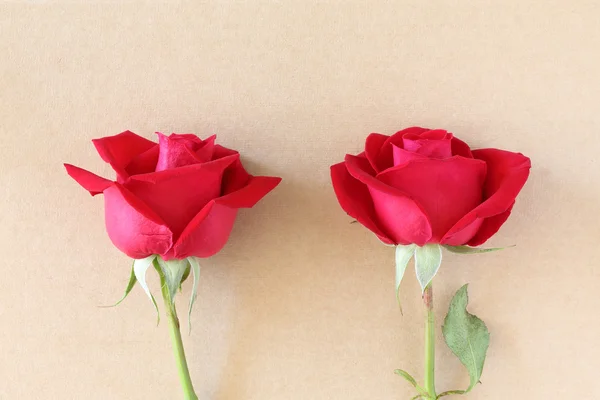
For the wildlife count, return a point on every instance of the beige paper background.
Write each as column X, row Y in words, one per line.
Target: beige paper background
column 299, row 305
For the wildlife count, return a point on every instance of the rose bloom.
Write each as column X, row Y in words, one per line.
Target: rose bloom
column 426, row 186
column 175, row 198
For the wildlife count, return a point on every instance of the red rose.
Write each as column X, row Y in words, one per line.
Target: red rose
column 426, row 186
column 177, row 198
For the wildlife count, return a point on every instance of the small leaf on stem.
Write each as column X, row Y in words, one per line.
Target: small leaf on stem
column 451, row 392
column 467, row 336
column 406, row 376
column 412, row 381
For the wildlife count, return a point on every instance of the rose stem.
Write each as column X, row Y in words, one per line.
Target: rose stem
column 429, row 343
column 182, row 367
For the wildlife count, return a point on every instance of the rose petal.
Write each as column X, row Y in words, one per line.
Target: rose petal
column 460, row 148
column 507, row 173
column 119, row 150
column 207, row 233
column 402, row 156
column 177, row 195
column 446, row 189
column 489, row 227
column 432, row 144
column 235, row 176
column 396, row 213
column 355, row 199
column 372, row 148
column 209, row 230
column 436, row 134
column 249, row 195
column 132, row 226
column 205, row 152
column 145, row 162
column 385, row 159
column 177, row 151
column 89, row 181
column 221, row 151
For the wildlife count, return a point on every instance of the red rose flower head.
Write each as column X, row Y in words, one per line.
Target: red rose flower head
column 175, row 198
column 426, row 186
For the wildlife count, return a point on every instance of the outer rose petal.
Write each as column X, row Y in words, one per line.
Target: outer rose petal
column 355, row 199
column 446, row 189
column 235, row 176
column 144, row 163
column 209, row 230
column 372, row 147
column 121, row 149
column 132, row 226
column 206, row 234
column 205, row 153
column 489, row 227
column 177, row 195
column 460, row 148
column 507, row 173
column 88, row 180
column 436, row 134
column 249, row 195
column 396, row 213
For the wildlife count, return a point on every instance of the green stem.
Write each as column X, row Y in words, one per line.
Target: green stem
column 429, row 343
column 182, row 367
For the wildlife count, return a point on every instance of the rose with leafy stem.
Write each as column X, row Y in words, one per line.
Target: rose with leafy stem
column 422, row 190
column 172, row 203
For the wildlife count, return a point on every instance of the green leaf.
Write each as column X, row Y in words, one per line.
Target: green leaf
column 412, row 381
column 472, row 250
column 427, row 263
column 130, row 285
column 451, row 392
column 466, row 335
column 403, row 256
column 195, row 266
column 173, row 271
column 406, row 376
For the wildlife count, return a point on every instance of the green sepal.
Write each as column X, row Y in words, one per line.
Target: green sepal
column 130, row 285
column 403, row 256
column 186, row 274
column 473, row 250
column 427, row 263
column 466, row 335
column 172, row 273
column 164, row 288
column 140, row 267
column 195, row 267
